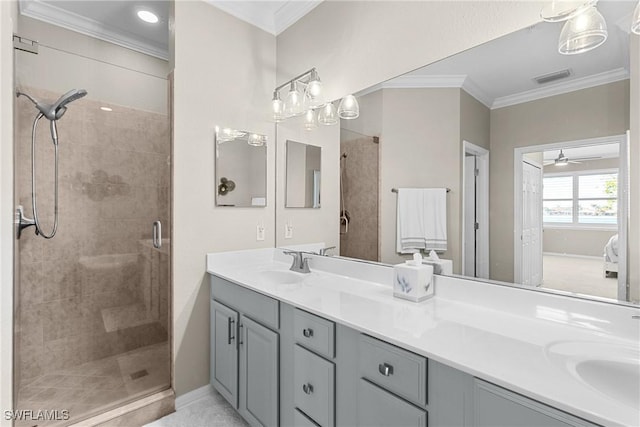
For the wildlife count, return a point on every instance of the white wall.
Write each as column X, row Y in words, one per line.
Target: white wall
column 8, row 20
column 224, row 75
column 634, row 172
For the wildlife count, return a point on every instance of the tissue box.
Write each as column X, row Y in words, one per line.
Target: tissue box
column 413, row 282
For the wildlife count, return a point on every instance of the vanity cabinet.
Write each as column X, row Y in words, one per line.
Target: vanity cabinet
column 245, row 362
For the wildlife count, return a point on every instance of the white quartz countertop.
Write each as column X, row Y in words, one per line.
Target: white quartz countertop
column 528, row 342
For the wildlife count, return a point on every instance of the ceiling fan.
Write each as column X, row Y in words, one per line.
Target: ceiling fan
column 563, row 160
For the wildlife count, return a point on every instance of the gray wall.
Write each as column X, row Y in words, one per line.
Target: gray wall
column 474, row 121
column 589, row 113
column 576, row 242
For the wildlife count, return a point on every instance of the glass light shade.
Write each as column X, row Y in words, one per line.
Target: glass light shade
column 313, row 94
column 328, row 115
column 277, row 107
column 256, row 140
column 293, row 104
column 310, row 122
column 583, row 33
column 562, row 10
column 635, row 22
column 349, row 108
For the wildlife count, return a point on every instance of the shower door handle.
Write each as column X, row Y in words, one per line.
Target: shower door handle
column 157, row 234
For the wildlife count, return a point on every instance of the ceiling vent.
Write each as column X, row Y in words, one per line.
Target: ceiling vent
column 557, row 75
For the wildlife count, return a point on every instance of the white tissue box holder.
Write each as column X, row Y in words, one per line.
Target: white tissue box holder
column 413, row 283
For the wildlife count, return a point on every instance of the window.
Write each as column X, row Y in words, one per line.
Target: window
column 581, row 199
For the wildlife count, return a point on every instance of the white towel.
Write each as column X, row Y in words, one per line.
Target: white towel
column 421, row 220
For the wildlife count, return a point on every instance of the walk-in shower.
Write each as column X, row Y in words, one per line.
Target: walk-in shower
column 92, row 305
column 53, row 112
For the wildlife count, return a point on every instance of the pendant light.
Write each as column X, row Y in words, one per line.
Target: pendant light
column 349, row 108
column 327, row 115
column 277, row 107
column 562, row 10
column 635, row 22
column 310, row 122
column 313, row 94
column 293, row 104
column 583, row 33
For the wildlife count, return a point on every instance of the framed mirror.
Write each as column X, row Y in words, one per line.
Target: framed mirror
column 303, row 175
column 531, row 143
column 241, row 168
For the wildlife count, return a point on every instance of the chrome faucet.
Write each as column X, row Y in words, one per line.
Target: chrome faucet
column 323, row 251
column 300, row 263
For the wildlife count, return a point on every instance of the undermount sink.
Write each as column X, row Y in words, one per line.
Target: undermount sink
column 278, row 277
column 613, row 370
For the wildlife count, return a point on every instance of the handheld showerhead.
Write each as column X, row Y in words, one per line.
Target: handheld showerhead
column 56, row 110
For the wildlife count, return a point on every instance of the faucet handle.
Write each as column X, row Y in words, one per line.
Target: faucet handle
column 323, row 251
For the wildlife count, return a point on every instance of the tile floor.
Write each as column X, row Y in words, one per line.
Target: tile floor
column 209, row 411
column 96, row 386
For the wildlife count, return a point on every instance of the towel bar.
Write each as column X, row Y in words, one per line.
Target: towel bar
column 395, row 190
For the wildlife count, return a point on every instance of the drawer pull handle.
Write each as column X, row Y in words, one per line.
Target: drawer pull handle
column 307, row 388
column 230, row 323
column 385, row 369
column 308, row 332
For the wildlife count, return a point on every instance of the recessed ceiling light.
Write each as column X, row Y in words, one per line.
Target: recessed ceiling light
column 106, row 109
column 147, row 16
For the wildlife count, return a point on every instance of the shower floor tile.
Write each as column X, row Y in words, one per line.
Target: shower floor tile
column 96, row 386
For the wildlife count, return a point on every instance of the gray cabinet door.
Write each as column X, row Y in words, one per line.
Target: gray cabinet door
column 259, row 373
column 379, row 408
column 496, row 407
column 224, row 363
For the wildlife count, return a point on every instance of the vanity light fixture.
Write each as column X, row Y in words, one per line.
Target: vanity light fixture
column 227, row 135
column 635, row 21
column 310, row 121
column 310, row 100
column 583, row 32
column 349, row 108
column 148, row 16
column 256, row 140
column 562, row 10
column 328, row 115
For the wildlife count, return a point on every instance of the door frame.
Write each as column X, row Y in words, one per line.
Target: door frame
column 482, row 204
column 623, row 195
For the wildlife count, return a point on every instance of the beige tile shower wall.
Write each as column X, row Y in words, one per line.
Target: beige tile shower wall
column 360, row 177
column 588, row 113
column 8, row 25
column 224, row 75
column 114, row 182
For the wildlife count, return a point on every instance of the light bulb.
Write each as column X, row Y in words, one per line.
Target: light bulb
column 313, row 96
column 310, row 122
column 327, row 115
column 293, row 104
column 277, row 107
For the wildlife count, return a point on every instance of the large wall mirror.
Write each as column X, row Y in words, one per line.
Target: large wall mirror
column 532, row 145
column 303, row 174
column 241, row 168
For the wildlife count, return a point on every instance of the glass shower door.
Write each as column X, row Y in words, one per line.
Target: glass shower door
column 92, row 302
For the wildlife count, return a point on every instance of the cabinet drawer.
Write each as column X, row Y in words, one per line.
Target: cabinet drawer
column 314, row 332
column 301, row 420
column 260, row 308
column 377, row 407
column 395, row 369
column 314, row 386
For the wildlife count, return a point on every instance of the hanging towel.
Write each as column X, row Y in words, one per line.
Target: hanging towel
column 421, row 220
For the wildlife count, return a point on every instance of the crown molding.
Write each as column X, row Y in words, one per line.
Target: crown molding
column 247, row 12
column 561, row 88
column 417, row 81
column 476, row 92
column 291, row 12
column 71, row 21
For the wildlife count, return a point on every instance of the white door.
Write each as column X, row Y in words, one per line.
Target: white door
column 470, row 219
column 531, row 224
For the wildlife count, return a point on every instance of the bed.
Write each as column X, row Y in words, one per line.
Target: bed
column 611, row 256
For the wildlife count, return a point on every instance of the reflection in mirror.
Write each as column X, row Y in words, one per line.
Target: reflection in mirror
column 241, row 168
column 510, row 114
column 303, row 175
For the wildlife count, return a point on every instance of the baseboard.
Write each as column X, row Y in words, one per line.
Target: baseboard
column 573, row 255
column 190, row 397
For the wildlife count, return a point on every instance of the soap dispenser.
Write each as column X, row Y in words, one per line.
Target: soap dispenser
column 413, row 280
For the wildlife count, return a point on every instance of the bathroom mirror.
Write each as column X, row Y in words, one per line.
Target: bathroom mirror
column 241, row 168
column 303, row 175
column 503, row 108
